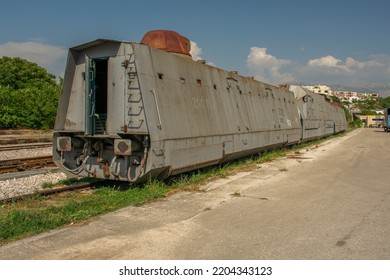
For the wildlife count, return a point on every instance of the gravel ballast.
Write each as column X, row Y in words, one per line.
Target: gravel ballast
column 24, row 153
column 27, row 185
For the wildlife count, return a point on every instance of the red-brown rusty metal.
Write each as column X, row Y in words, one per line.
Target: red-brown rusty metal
column 167, row 40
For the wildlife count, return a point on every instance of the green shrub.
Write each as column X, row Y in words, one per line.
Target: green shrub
column 28, row 95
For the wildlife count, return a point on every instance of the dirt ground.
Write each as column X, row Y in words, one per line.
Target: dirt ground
column 20, row 136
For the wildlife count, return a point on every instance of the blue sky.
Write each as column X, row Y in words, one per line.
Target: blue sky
column 331, row 42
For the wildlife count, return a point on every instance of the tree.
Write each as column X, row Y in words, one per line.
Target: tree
column 384, row 102
column 28, row 95
column 18, row 73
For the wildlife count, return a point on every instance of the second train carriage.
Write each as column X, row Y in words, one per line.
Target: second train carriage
column 130, row 110
column 319, row 117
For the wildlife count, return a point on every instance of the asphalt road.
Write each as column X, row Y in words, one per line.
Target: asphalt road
column 329, row 202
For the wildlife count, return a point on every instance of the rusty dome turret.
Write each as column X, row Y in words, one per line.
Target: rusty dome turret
column 167, row 40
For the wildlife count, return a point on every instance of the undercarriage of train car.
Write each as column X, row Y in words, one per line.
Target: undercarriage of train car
column 103, row 157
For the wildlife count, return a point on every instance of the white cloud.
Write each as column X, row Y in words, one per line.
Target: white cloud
column 350, row 65
column 195, row 51
column 327, row 69
column 327, row 61
column 48, row 56
column 266, row 67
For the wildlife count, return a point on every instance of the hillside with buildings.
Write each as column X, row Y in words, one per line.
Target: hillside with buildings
column 365, row 106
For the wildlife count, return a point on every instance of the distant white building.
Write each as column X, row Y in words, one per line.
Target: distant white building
column 379, row 112
column 351, row 96
column 348, row 96
column 321, row 89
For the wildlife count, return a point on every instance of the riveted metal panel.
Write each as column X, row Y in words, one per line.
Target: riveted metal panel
column 319, row 116
column 195, row 156
column 187, row 100
column 71, row 110
column 115, row 96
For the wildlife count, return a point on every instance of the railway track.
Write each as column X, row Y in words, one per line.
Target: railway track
column 23, row 164
column 25, row 146
column 47, row 192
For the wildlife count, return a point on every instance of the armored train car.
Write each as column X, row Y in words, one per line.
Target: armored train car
column 132, row 110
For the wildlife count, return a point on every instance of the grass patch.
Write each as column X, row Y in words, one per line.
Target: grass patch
column 236, row 194
column 39, row 214
column 70, row 181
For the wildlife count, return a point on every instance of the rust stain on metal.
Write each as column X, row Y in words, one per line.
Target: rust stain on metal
column 106, row 170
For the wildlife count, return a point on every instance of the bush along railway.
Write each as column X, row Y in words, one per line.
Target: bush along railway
column 133, row 110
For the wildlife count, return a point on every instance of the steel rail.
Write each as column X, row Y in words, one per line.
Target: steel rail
column 47, row 192
column 22, row 164
column 24, row 146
